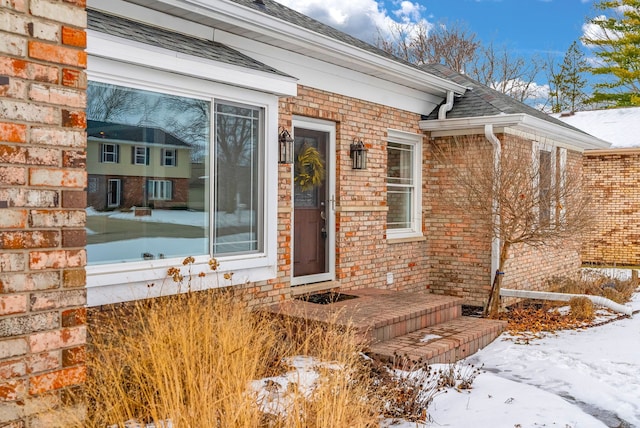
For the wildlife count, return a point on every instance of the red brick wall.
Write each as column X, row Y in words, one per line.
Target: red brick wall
column 42, row 201
column 460, row 241
column 611, row 177
column 363, row 255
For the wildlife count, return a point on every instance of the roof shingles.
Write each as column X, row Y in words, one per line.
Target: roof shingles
column 160, row 37
column 480, row 100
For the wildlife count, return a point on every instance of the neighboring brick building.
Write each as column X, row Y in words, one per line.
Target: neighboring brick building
column 232, row 80
column 612, row 179
column 42, row 206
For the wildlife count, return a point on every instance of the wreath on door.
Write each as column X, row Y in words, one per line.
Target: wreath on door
column 309, row 168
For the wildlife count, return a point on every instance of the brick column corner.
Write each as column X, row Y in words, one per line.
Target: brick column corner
column 42, row 209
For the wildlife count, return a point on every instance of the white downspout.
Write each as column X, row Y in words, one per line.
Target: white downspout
column 495, row 241
column 564, row 297
column 444, row 108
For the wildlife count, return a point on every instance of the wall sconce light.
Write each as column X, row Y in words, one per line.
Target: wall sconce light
column 358, row 155
column 285, row 143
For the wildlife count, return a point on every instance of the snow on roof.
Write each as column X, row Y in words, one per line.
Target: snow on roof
column 620, row 126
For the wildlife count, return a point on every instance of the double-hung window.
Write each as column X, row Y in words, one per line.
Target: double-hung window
column 140, row 155
column 169, row 157
column 109, row 153
column 404, row 178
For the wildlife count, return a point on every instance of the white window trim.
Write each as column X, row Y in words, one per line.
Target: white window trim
column 165, row 185
column 173, row 157
column 104, row 152
column 415, row 140
column 144, row 155
column 119, row 282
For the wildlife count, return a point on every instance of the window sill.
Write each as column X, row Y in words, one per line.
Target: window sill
column 407, row 239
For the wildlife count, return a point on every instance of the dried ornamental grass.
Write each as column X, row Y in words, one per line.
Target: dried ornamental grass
column 582, row 309
column 191, row 359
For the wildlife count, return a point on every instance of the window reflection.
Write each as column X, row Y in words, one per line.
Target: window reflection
column 147, row 161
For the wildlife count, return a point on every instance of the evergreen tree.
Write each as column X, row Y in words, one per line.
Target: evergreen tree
column 568, row 85
column 617, row 45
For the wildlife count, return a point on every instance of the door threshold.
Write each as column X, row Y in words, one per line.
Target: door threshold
column 316, row 287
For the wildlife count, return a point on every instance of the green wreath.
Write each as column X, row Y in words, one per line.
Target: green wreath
column 309, row 168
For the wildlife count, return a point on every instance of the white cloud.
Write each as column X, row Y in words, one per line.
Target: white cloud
column 360, row 18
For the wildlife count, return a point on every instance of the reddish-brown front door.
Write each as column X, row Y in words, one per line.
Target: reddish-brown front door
column 311, row 229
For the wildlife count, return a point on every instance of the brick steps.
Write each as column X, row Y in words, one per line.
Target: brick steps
column 446, row 342
column 404, row 326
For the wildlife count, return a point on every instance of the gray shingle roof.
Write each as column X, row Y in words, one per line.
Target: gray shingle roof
column 160, row 37
column 484, row 101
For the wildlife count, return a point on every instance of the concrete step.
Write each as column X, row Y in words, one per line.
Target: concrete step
column 446, row 342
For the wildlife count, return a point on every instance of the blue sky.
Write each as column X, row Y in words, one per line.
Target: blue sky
column 523, row 26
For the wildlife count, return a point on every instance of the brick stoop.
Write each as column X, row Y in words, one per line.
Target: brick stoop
column 446, row 342
column 396, row 323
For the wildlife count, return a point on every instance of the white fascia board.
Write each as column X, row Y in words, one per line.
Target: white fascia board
column 116, row 48
column 313, row 44
column 523, row 122
column 332, row 78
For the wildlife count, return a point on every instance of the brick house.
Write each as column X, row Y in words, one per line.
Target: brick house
column 232, row 79
column 611, row 176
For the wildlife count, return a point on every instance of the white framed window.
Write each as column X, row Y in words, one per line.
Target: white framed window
column 140, row 155
column 169, row 157
column 109, row 153
column 404, row 184
column 225, row 187
column 159, row 190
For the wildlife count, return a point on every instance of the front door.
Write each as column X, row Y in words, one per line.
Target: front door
column 113, row 192
column 313, row 225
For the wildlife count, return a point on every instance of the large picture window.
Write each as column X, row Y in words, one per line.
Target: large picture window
column 403, row 185
column 161, row 208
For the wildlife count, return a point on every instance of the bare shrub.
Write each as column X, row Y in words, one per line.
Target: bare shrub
column 582, row 308
column 411, row 386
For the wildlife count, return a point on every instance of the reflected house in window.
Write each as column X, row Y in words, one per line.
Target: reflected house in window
column 136, row 166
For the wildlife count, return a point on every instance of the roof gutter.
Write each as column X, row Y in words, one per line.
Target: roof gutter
column 575, row 139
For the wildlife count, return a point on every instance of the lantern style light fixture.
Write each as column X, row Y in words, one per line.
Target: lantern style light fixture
column 358, row 155
column 285, row 144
